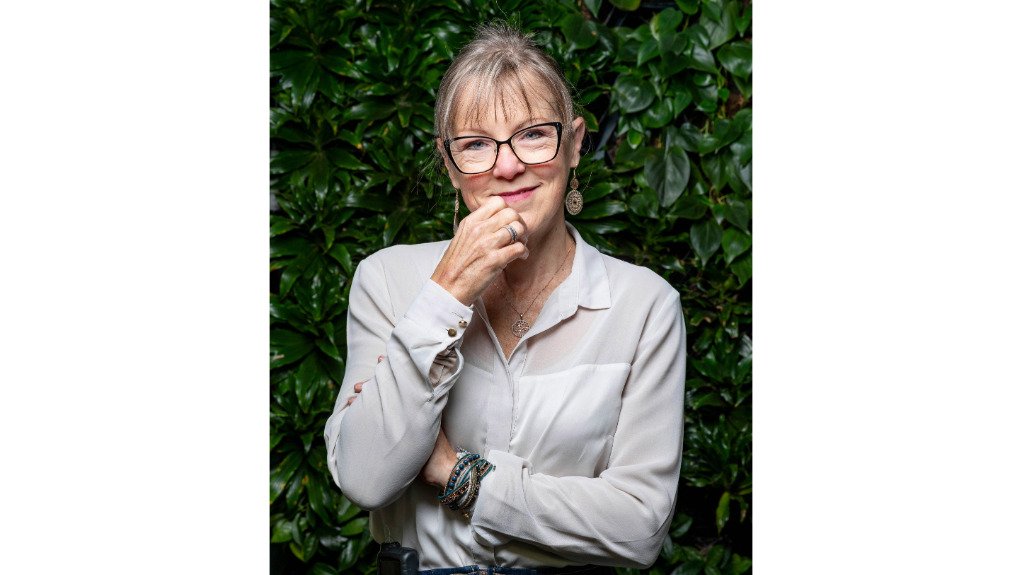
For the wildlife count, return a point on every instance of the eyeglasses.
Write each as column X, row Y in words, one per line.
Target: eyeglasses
column 477, row 154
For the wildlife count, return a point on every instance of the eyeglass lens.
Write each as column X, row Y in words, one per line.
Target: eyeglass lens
column 532, row 145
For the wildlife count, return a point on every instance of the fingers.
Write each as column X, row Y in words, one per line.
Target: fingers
column 510, row 217
column 512, row 252
column 359, row 385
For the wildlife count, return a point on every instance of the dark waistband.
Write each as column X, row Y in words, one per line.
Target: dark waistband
column 483, row 570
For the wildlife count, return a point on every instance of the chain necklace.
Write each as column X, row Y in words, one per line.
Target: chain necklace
column 520, row 326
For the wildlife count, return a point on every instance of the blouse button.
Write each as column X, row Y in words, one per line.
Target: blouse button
column 452, row 332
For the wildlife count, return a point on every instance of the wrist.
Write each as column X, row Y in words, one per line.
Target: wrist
column 441, row 470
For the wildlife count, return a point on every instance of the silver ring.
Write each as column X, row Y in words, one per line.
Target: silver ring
column 511, row 230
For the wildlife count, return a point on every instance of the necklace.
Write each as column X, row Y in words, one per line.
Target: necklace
column 520, row 326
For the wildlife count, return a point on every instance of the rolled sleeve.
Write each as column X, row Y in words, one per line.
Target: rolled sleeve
column 377, row 445
column 432, row 332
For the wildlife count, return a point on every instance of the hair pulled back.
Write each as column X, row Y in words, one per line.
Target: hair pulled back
column 496, row 68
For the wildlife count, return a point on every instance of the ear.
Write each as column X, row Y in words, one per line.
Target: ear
column 447, row 161
column 578, row 125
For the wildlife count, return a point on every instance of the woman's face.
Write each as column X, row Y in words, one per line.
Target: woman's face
column 536, row 191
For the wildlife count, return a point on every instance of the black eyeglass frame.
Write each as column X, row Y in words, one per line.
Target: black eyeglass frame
column 447, row 147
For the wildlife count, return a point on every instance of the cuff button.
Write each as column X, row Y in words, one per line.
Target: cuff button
column 452, row 332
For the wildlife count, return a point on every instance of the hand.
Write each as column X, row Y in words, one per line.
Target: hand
column 441, row 462
column 358, row 386
column 480, row 250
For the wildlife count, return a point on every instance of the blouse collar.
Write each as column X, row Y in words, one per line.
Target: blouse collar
column 588, row 285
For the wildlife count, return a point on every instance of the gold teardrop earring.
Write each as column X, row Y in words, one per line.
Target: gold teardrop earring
column 573, row 200
column 457, row 202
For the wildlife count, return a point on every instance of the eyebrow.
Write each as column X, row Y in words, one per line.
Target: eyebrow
column 474, row 131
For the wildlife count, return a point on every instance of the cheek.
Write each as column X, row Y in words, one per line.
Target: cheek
column 471, row 186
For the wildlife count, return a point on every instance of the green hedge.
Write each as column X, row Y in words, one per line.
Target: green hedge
column 666, row 88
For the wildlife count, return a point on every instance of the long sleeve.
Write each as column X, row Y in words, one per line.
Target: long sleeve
column 622, row 516
column 377, row 446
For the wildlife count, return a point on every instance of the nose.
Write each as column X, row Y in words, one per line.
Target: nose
column 507, row 165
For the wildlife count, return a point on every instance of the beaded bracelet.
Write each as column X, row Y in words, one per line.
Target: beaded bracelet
column 462, row 487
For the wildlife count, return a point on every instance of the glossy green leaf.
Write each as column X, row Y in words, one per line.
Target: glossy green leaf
column 650, row 49
column 735, row 243
column 289, row 160
column 329, row 349
column 603, row 209
column 740, row 564
column 742, row 268
column 355, row 526
column 581, row 33
column 340, row 254
column 287, row 347
column 659, row 114
column 282, row 473
column 742, row 148
column 597, row 191
column 644, row 203
column 736, row 58
column 319, row 499
column 633, row 94
column 634, row 138
column 702, row 59
column 628, row 5
column 688, row 6
column 395, row 222
column 715, row 555
column 324, row 569
column 309, row 379
column 280, row 529
column 737, row 212
column 280, row 225
column 723, row 29
column 690, row 207
column 668, row 172
column 705, row 238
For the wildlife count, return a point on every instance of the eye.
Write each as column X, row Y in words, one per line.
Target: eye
column 473, row 145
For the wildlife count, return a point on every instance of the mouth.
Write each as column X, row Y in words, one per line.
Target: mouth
column 518, row 195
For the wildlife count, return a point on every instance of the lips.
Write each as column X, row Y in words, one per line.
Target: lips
column 518, row 195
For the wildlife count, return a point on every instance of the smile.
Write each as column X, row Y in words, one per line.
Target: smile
column 518, row 195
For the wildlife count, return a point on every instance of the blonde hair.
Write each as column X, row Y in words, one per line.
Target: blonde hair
column 495, row 67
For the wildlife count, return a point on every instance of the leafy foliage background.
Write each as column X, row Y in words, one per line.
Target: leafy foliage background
column 666, row 89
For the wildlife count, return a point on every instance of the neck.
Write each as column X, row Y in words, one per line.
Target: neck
column 546, row 254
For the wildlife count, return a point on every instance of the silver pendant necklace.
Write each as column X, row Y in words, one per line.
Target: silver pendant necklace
column 519, row 327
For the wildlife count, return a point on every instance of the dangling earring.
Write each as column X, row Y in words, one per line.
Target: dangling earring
column 573, row 201
column 457, row 202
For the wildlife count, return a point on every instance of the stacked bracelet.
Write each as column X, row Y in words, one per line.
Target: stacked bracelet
column 462, row 488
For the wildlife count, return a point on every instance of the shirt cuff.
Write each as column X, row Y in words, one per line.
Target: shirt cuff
column 438, row 312
column 500, row 506
column 435, row 325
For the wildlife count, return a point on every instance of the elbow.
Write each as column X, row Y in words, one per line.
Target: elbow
column 367, row 495
column 647, row 554
column 641, row 554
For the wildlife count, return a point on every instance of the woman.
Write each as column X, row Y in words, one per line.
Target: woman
column 533, row 383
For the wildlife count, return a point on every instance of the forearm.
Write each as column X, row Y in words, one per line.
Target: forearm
column 607, row 520
column 621, row 516
column 377, row 445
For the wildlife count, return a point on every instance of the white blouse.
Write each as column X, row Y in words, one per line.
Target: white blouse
column 583, row 423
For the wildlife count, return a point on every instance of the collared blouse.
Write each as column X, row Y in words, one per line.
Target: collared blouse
column 583, row 422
